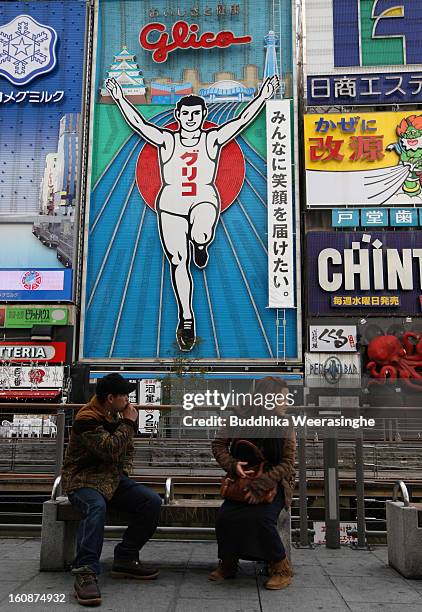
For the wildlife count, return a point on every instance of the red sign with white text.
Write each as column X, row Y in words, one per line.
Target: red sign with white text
column 185, row 36
column 54, row 352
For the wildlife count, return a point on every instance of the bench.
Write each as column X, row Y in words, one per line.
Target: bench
column 60, row 523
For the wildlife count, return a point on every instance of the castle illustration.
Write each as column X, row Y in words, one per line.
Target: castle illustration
column 129, row 76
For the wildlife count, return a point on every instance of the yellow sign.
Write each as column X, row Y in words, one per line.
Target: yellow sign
column 364, row 159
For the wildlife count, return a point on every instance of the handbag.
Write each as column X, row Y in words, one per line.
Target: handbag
column 235, row 488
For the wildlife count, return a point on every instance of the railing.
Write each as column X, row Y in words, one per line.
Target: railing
column 395, row 455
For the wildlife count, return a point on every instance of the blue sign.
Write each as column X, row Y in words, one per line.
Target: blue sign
column 42, row 58
column 28, row 49
column 365, row 89
column 404, row 217
column 345, row 218
column 377, row 32
column 374, row 217
column 35, row 285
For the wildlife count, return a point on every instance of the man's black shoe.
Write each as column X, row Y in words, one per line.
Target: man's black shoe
column 185, row 334
column 200, row 256
column 132, row 568
column 86, row 588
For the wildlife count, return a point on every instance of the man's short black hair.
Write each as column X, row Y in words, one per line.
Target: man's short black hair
column 115, row 384
column 191, row 101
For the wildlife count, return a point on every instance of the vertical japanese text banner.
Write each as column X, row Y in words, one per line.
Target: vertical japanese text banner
column 150, row 393
column 280, row 206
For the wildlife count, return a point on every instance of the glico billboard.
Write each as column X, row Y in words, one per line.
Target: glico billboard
column 41, row 78
column 190, row 222
column 363, row 52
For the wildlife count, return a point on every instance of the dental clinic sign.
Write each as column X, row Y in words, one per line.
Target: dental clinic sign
column 363, row 51
column 364, row 272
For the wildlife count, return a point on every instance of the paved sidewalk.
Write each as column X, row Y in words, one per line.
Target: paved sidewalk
column 326, row 580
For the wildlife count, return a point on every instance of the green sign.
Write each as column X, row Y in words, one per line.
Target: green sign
column 18, row 316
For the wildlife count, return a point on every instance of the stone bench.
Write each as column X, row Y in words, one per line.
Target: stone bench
column 60, row 522
column 404, row 537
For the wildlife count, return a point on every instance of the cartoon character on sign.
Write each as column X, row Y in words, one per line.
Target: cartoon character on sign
column 392, row 358
column 409, row 149
column 188, row 203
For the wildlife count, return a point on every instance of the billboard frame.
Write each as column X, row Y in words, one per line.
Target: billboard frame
column 84, row 227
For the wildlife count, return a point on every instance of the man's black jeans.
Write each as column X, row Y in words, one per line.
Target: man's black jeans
column 130, row 496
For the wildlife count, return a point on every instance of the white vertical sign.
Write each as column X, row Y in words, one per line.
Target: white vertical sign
column 150, row 393
column 280, row 206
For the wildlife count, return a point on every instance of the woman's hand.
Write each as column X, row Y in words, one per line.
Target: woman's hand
column 258, row 487
column 241, row 472
column 251, row 498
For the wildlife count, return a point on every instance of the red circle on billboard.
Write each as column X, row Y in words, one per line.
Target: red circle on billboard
column 228, row 181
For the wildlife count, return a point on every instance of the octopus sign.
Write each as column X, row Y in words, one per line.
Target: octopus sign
column 392, row 358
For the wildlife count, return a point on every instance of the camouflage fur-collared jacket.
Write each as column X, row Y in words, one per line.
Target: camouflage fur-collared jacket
column 100, row 450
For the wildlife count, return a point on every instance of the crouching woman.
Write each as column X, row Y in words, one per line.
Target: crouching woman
column 248, row 529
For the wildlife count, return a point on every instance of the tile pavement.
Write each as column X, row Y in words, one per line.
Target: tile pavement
column 327, row 580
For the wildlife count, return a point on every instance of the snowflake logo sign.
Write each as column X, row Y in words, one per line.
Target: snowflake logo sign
column 27, row 49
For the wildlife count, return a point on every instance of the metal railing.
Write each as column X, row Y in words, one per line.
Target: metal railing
column 396, row 455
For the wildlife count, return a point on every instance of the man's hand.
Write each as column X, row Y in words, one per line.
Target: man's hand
column 130, row 412
column 114, row 89
column 269, row 87
column 241, row 472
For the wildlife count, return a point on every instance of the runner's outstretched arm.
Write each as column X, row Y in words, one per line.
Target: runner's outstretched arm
column 149, row 131
column 232, row 128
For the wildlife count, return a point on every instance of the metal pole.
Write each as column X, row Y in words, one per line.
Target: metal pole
column 360, row 491
column 59, row 443
column 332, row 519
column 303, row 499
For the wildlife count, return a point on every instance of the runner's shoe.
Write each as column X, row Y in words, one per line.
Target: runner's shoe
column 185, row 334
column 200, row 256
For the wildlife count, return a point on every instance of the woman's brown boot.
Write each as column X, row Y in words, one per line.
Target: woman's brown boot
column 227, row 568
column 281, row 575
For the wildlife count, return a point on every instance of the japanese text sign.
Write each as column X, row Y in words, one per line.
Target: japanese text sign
column 363, row 159
column 369, row 272
column 280, row 206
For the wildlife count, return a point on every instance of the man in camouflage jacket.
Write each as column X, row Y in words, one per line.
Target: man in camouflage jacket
column 95, row 475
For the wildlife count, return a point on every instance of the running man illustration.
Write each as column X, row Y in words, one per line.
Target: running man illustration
column 188, row 203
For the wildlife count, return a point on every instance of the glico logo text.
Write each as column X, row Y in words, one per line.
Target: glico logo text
column 184, row 36
column 379, row 32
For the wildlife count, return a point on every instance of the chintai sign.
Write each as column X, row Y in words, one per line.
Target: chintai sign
column 356, row 273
